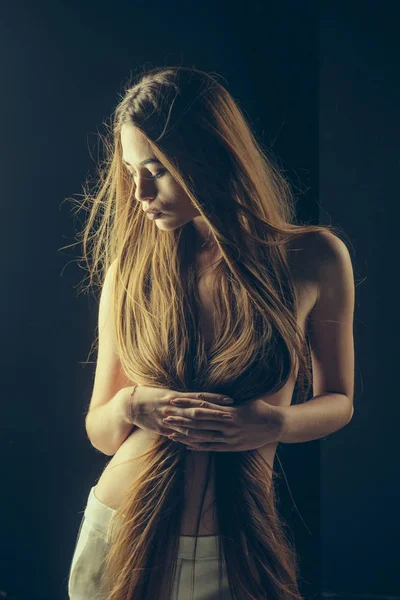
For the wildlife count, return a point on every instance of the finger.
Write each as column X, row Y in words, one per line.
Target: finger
column 207, row 397
column 191, row 435
column 176, row 422
column 200, row 414
column 201, row 405
column 214, row 447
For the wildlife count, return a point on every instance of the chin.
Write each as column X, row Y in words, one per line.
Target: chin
column 169, row 224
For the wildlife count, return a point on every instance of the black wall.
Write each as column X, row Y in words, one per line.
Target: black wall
column 63, row 65
column 359, row 168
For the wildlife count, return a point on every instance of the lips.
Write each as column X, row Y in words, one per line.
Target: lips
column 153, row 216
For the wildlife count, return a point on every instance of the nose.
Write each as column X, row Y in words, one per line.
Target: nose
column 145, row 189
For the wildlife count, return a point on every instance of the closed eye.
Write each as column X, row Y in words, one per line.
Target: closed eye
column 157, row 176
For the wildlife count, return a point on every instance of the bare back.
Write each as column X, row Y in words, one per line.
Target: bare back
column 117, row 477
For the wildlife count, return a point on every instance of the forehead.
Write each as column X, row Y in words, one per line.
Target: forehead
column 135, row 146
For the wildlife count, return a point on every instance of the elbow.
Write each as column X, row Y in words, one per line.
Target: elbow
column 99, row 445
column 351, row 415
column 102, row 449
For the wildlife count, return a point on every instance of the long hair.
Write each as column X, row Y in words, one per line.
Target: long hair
column 199, row 133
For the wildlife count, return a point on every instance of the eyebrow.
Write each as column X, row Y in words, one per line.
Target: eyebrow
column 144, row 162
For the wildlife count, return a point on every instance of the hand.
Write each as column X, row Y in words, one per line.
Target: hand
column 253, row 425
column 150, row 406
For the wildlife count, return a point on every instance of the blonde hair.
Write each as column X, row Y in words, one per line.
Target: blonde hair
column 201, row 136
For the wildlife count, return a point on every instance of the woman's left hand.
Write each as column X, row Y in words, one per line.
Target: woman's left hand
column 253, row 424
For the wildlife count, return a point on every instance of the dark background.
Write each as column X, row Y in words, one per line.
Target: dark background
column 318, row 85
column 358, row 171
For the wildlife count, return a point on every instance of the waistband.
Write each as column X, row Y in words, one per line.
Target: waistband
column 98, row 515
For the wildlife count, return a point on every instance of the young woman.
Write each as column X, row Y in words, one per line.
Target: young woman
column 220, row 294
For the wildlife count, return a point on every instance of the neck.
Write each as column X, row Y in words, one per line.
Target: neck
column 206, row 244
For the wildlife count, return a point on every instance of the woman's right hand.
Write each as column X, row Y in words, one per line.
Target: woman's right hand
column 150, row 405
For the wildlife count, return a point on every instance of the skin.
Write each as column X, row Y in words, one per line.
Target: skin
column 162, row 192
column 156, row 188
column 324, row 273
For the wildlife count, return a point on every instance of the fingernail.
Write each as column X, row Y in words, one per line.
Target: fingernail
column 227, row 401
column 176, row 402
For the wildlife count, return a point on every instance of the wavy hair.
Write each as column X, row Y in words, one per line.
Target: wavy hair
column 200, row 134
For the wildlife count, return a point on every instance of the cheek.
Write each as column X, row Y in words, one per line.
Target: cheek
column 180, row 201
column 188, row 211
column 177, row 201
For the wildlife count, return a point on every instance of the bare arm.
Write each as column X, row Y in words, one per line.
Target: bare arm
column 107, row 425
column 332, row 348
column 106, row 422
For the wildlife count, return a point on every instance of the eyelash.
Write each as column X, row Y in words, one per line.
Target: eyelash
column 160, row 174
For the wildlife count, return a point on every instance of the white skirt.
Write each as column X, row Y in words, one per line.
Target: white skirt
column 92, row 544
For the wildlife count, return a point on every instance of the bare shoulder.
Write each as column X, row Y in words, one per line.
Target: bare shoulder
column 326, row 261
column 329, row 246
column 312, row 252
column 330, row 259
column 318, row 260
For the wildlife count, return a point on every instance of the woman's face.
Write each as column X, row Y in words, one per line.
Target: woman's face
column 156, row 189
